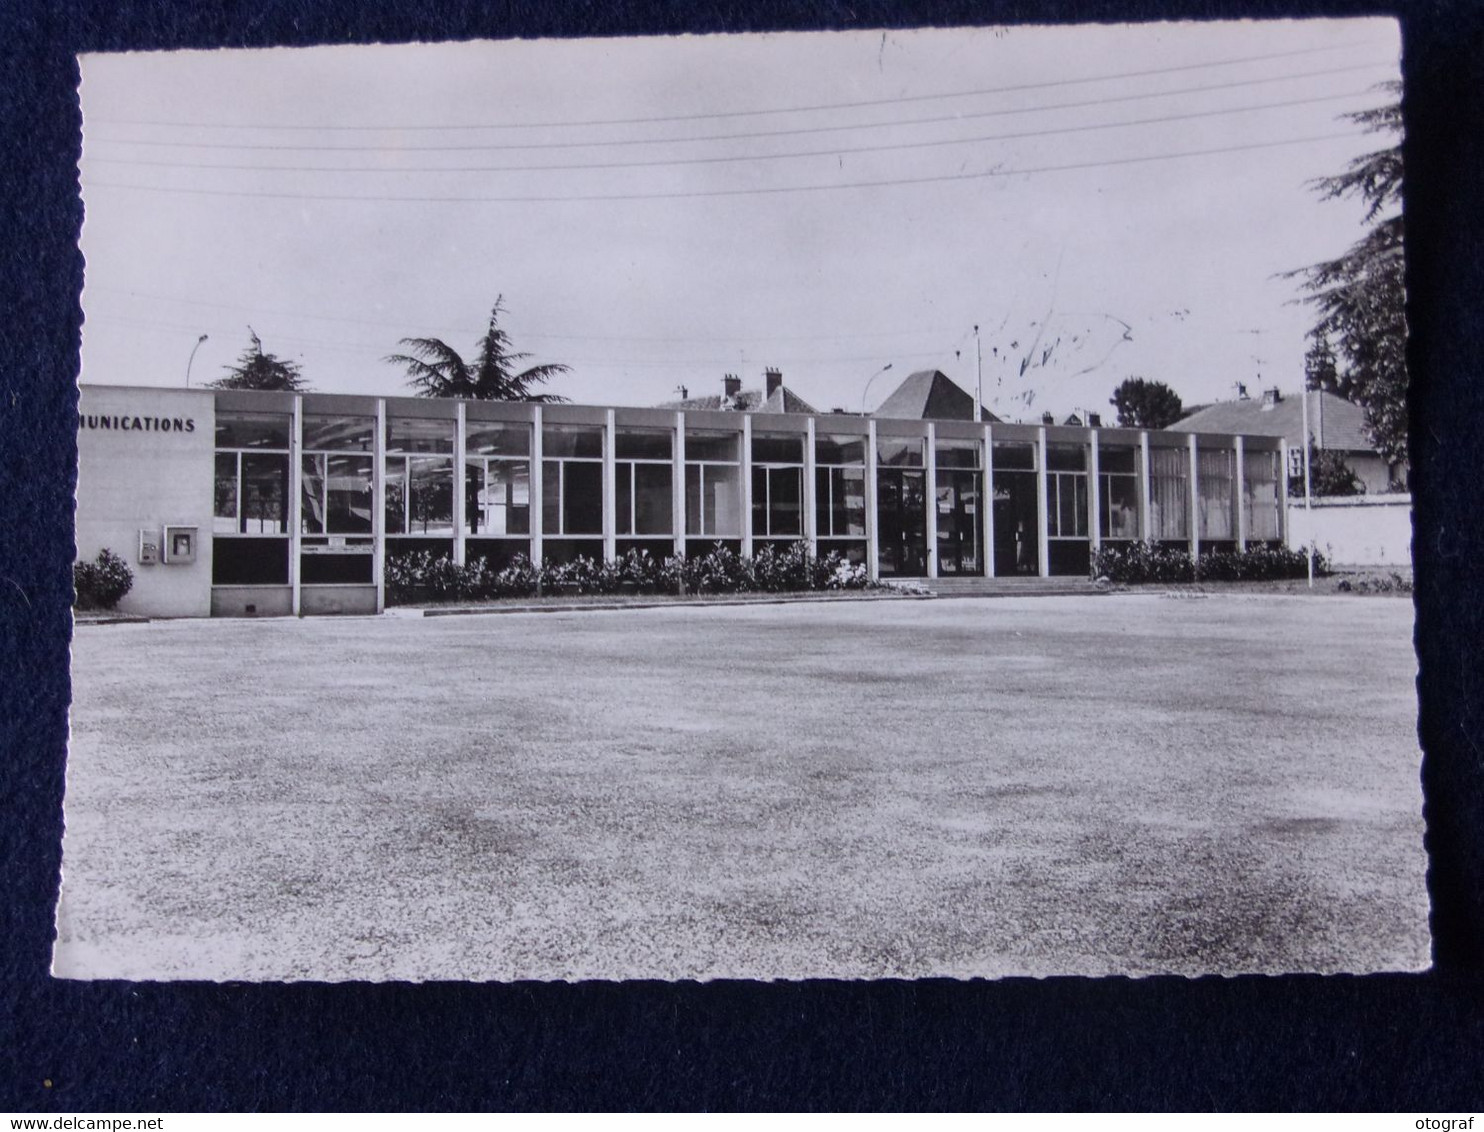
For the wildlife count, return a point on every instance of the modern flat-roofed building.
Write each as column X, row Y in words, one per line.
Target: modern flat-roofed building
column 233, row 503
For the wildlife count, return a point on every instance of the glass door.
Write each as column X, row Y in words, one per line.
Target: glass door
column 901, row 522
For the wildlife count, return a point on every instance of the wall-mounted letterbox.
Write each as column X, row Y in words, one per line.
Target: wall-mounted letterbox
column 180, row 546
column 149, row 547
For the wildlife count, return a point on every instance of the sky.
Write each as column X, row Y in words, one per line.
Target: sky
column 1100, row 202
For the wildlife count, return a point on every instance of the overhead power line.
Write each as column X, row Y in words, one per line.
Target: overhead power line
column 960, row 116
column 248, row 309
column 592, row 198
column 845, row 151
column 756, row 112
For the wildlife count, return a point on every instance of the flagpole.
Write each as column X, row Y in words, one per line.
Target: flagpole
column 978, row 377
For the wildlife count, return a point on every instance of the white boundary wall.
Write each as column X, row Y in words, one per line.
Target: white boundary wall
column 1356, row 530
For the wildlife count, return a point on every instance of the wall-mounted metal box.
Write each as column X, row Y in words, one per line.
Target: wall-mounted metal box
column 179, row 546
column 149, row 547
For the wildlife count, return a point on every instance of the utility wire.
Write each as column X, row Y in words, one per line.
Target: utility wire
column 549, row 124
column 735, row 158
column 256, row 311
column 273, row 147
column 589, row 198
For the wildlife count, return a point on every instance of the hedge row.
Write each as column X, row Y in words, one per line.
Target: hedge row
column 424, row 576
column 1152, row 562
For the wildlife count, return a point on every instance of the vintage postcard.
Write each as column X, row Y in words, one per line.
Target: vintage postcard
column 851, row 505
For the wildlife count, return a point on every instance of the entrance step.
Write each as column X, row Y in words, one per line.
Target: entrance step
column 1013, row 587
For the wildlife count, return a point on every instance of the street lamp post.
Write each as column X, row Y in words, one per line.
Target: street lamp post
column 192, row 358
column 867, row 389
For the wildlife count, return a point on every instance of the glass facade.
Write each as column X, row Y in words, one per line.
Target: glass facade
column 840, row 495
column 321, row 500
column 1169, row 494
column 1214, row 495
column 1262, row 495
column 713, row 485
column 250, row 513
column 1118, row 493
column 777, row 487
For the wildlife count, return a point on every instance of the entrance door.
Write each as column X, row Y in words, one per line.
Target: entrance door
column 901, row 522
column 1016, row 529
column 959, row 527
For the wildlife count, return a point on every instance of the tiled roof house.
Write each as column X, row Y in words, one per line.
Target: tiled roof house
column 1335, row 423
column 774, row 397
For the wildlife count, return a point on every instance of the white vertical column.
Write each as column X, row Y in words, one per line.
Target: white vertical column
column 378, row 505
column 610, row 489
column 296, row 503
column 1094, row 493
column 746, row 487
column 1239, row 493
column 811, row 525
column 538, row 494
column 1282, row 488
column 678, row 494
column 1195, row 503
column 873, row 516
column 1043, row 525
column 459, row 480
column 930, row 511
column 986, row 502
column 1146, row 525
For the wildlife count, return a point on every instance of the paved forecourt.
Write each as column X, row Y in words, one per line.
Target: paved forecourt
column 1021, row 786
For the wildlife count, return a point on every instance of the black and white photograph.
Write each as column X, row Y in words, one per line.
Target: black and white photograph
column 864, row 504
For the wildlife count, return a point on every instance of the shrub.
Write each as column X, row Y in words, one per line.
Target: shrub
column 1391, row 582
column 102, row 583
column 1138, row 562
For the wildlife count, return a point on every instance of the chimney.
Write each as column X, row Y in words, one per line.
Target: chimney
column 731, row 385
column 773, row 380
column 1094, row 420
column 1241, row 391
column 1270, row 398
column 1047, row 419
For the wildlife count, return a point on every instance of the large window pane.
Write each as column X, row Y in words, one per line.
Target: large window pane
column 1214, row 483
column 250, row 562
column 712, row 500
column 497, row 497
column 582, row 499
column 1066, row 458
column 312, row 495
column 252, row 430
column 643, row 444
column 897, row 452
column 581, row 441
column 840, row 502
column 348, row 495
column 654, row 504
column 338, row 434
column 957, row 454
column 487, row 439
column 224, row 509
column 265, row 493
column 1169, row 502
column 777, row 449
column 1120, row 503
column 408, row 434
column 429, row 497
column 1118, row 461
column 840, row 449
column 1014, row 455
column 722, row 446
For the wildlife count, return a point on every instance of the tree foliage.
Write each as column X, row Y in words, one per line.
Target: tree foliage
column 436, row 369
column 1361, row 296
column 1146, row 404
column 257, row 370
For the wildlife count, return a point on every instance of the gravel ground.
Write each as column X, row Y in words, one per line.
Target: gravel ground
column 1099, row 785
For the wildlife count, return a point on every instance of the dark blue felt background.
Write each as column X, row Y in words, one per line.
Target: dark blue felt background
column 1413, row 1042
